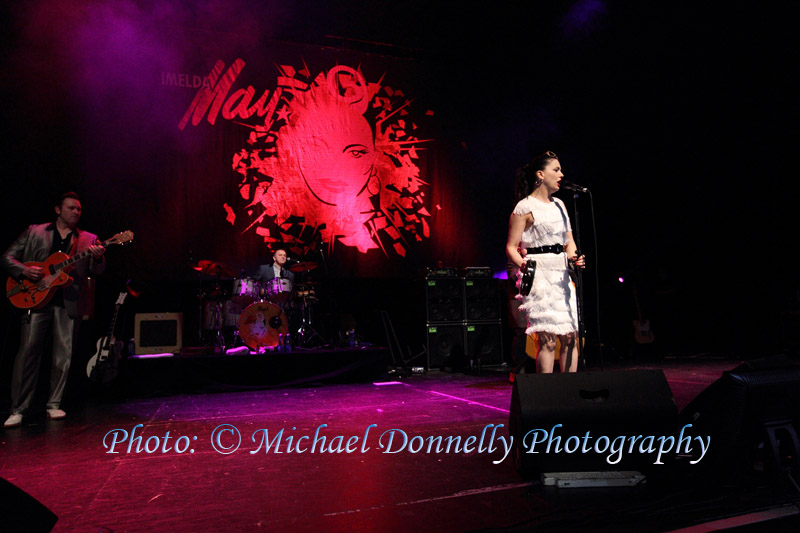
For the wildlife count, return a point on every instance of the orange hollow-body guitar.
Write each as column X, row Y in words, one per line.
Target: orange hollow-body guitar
column 26, row 294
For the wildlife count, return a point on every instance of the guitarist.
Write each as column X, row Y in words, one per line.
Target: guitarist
column 61, row 316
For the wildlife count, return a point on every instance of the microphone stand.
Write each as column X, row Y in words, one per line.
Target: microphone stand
column 578, row 281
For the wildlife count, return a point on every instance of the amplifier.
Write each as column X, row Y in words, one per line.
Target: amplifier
column 478, row 272
column 158, row 333
column 441, row 272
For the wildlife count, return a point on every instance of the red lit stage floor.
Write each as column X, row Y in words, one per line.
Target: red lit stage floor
column 198, row 476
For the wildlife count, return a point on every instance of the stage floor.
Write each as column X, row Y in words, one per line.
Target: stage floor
column 201, row 464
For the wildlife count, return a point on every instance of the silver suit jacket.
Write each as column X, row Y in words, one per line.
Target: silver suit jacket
column 35, row 243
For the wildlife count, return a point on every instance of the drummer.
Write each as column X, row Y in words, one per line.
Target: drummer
column 277, row 269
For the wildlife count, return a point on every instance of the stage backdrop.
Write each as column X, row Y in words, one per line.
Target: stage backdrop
column 222, row 146
column 321, row 151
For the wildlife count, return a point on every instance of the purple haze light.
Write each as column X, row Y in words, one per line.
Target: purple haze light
column 584, row 17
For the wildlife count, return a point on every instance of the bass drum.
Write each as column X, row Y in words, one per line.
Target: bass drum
column 262, row 324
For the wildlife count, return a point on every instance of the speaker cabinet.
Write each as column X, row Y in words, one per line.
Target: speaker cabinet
column 605, row 404
column 482, row 299
column 23, row 512
column 444, row 299
column 484, row 344
column 752, row 415
column 446, row 346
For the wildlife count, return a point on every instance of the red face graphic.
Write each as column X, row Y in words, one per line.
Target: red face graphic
column 317, row 166
column 334, row 150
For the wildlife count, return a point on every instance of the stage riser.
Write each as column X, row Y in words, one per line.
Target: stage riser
column 155, row 375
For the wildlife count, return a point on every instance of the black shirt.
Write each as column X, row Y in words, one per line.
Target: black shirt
column 60, row 245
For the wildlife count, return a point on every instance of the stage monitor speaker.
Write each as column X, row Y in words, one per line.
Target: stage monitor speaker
column 484, row 344
column 602, row 405
column 446, row 346
column 22, row 512
column 752, row 414
column 482, row 298
column 444, row 299
column 158, row 333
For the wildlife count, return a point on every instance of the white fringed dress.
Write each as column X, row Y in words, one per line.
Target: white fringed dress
column 551, row 306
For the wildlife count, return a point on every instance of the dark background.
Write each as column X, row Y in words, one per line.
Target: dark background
column 677, row 116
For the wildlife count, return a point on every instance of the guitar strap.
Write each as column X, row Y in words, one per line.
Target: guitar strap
column 564, row 216
column 573, row 274
column 74, row 247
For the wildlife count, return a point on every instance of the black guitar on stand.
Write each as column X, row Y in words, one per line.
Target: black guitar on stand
column 103, row 367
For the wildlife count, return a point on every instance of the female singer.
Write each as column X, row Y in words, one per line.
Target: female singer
column 540, row 240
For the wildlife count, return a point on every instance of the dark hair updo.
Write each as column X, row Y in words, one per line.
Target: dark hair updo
column 526, row 174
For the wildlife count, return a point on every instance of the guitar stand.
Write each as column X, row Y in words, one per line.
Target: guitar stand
column 398, row 358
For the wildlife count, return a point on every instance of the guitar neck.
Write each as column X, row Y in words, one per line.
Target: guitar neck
column 79, row 256
column 120, row 301
column 113, row 321
column 111, row 327
column 636, row 302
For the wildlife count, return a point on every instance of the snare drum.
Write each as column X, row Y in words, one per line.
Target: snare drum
column 245, row 291
column 278, row 289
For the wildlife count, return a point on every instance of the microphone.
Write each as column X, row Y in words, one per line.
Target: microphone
column 572, row 186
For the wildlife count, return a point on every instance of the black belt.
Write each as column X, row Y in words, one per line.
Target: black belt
column 551, row 249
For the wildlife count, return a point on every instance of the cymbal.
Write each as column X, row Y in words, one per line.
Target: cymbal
column 303, row 266
column 212, row 268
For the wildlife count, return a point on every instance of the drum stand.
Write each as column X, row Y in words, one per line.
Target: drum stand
column 219, row 342
column 305, row 326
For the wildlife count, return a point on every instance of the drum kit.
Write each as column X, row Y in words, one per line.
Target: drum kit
column 257, row 310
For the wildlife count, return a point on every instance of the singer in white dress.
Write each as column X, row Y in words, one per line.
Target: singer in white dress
column 539, row 225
